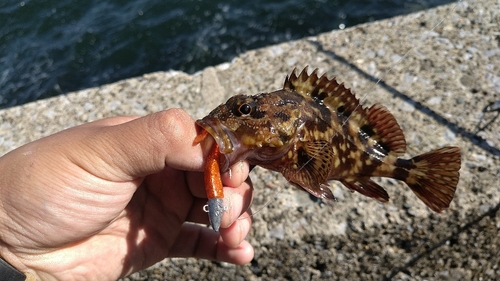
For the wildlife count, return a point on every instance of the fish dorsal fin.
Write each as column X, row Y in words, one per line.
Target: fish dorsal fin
column 386, row 130
column 312, row 168
column 325, row 91
column 376, row 124
column 302, row 84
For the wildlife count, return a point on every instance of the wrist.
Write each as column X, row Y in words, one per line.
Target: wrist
column 10, row 271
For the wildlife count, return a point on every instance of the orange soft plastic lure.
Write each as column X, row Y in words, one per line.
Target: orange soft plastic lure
column 213, row 183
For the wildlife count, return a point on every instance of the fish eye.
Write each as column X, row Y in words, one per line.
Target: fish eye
column 245, row 109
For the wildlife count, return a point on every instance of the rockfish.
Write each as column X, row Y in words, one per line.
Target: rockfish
column 315, row 130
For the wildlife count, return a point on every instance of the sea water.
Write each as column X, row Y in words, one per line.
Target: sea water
column 50, row 47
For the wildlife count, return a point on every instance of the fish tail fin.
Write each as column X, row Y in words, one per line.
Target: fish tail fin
column 434, row 175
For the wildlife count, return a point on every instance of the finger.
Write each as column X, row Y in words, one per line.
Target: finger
column 236, row 174
column 237, row 200
column 141, row 146
column 200, row 242
column 234, row 177
column 166, row 137
column 237, row 231
column 110, row 121
column 198, row 213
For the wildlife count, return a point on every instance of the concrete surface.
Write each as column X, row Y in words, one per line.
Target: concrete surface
column 439, row 93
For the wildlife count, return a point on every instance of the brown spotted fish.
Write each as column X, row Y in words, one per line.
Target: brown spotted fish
column 315, row 130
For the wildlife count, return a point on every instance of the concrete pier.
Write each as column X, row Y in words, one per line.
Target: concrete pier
column 439, row 87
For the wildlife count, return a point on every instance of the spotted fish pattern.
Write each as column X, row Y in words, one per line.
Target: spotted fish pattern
column 315, row 130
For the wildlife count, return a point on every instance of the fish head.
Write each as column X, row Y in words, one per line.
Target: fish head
column 260, row 127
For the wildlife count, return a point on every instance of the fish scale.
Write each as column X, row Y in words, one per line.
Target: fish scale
column 315, row 130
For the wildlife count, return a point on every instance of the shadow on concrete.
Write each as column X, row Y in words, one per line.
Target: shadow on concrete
column 457, row 129
column 454, row 236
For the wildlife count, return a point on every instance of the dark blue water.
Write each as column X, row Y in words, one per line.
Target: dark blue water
column 53, row 47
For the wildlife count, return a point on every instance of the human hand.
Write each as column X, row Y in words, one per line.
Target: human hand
column 108, row 198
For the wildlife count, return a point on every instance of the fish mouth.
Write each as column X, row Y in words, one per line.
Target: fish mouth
column 224, row 137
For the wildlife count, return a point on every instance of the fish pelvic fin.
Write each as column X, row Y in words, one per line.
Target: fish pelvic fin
column 434, row 176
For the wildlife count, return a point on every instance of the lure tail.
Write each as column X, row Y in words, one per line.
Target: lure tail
column 434, row 175
column 213, row 182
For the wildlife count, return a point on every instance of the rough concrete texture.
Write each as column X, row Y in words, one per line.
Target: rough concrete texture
column 438, row 92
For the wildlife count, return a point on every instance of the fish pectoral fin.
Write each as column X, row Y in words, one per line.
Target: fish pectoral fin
column 311, row 169
column 368, row 188
column 321, row 191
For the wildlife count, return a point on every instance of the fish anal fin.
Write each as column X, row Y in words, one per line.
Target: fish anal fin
column 368, row 188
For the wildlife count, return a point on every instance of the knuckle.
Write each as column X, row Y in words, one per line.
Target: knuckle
column 171, row 125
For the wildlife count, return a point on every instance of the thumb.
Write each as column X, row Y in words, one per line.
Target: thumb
column 142, row 146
